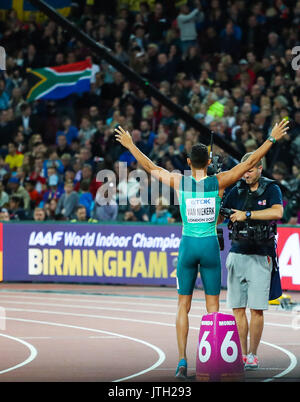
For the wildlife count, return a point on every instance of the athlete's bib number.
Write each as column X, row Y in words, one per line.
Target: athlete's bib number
column 227, row 345
column 200, row 209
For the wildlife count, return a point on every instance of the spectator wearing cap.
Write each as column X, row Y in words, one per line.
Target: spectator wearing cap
column 245, row 69
column 14, row 159
column 68, row 202
column 19, row 191
column 4, row 215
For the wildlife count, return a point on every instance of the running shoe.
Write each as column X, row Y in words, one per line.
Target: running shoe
column 251, row 362
column 181, row 371
column 244, row 359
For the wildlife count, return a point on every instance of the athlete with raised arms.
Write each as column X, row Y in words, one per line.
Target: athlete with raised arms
column 199, row 197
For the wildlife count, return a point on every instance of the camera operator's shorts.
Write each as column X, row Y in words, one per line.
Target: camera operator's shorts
column 248, row 281
column 195, row 252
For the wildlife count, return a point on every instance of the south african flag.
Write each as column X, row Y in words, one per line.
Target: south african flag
column 59, row 82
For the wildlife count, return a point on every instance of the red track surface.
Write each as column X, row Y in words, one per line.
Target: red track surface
column 77, row 333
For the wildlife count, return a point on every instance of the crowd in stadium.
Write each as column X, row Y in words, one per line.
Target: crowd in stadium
column 227, row 63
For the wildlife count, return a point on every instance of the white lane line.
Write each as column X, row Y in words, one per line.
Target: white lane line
column 35, row 337
column 106, row 308
column 135, row 303
column 69, row 337
column 32, row 356
column 161, row 354
column 291, row 356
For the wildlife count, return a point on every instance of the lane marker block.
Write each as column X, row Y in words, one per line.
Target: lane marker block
column 219, row 353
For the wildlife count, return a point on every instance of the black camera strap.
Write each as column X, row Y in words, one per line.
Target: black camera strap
column 248, row 203
column 245, row 227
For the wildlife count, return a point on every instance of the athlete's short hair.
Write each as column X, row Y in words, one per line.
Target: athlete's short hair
column 199, row 156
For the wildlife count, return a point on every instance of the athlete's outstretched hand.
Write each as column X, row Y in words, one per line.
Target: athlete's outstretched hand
column 123, row 137
column 279, row 130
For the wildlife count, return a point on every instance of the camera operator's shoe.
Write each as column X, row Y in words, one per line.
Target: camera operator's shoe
column 181, row 371
column 251, row 362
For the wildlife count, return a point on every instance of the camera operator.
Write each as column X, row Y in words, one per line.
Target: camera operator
column 254, row 204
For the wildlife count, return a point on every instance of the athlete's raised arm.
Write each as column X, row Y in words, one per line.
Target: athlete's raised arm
column 231, row 176
column 171, row 179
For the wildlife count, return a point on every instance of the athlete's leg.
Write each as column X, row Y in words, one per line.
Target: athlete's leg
column 182, row 323
column 210, row 270
column 187, row 270
column 212, row 303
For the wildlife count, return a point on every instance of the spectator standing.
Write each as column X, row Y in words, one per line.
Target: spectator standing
column 186, row 22
column 69, row 130
column 106, row 208
column 85, row 197
column 68, row 202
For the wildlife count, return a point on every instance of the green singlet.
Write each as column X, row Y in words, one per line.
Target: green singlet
column 199, row 208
